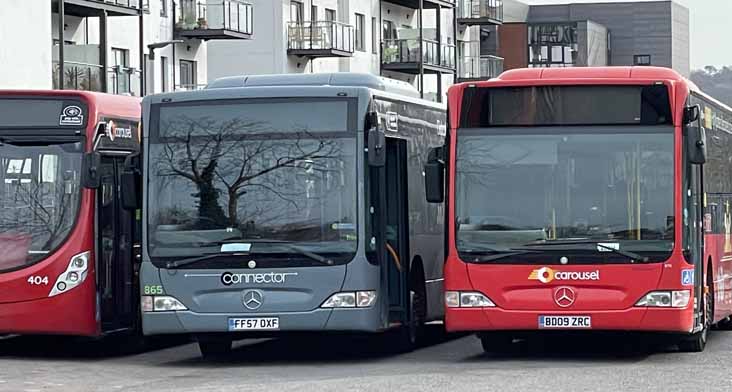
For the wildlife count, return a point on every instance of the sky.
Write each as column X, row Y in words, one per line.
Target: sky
column 711, row 29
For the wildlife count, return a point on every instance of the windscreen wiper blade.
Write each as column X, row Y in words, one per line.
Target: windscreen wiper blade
column 193, row 260
column 507, row 253
column 631, row 255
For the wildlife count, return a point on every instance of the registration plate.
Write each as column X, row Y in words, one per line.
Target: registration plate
column 565, row 322
column 254, row 324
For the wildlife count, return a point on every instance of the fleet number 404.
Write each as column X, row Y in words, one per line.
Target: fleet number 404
column 37, row 280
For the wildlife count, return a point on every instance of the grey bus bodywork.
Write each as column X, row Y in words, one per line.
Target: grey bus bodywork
column 218, row 295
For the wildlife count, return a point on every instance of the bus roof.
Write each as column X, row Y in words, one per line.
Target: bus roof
column 339, row 79
column 658, row 73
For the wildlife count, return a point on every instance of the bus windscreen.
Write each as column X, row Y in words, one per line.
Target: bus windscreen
column 566, row 105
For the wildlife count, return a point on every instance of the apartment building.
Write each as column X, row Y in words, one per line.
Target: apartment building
column 597, row 34
column 131, row 47
column 417, row 41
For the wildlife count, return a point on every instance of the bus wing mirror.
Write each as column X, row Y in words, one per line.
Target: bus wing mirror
column 696, row 145
column 130, row 184
column 90, row 170
column 377, row 147
column 691, row 114
column 434, row 176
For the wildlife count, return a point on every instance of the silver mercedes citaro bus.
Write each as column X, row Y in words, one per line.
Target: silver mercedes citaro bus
column 290, row 203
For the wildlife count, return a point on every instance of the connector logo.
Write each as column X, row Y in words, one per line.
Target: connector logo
column 547, row 275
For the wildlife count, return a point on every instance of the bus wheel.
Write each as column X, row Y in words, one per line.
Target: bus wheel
column 214, row 348
column 407, row 336
column 698, row 341
column 496, row 343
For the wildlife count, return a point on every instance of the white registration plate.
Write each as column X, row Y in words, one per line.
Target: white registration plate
column 254, row 324
column 565, row 322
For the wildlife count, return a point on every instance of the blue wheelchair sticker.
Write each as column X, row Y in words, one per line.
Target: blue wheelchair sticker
column 687, row 277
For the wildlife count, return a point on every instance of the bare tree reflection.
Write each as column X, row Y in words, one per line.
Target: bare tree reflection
column 230, row 159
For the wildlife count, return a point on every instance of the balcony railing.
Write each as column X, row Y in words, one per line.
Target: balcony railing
column 320, row 39
column 406, row 51
column 216, row 19
column 123, row 80
column 480, row 11
column 480, row 67
column 88, row 77
column 79, row 76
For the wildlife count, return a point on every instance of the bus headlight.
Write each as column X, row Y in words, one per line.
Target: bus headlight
column 161, row 303
column 467, row 299
column 665, row 299
column 350, row 299
column 74, row 275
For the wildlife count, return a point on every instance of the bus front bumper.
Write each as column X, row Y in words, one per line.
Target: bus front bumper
column 632, row 319
column 318, row 320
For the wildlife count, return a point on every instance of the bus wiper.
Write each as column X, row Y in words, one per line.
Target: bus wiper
column 193, row 260
column 509, row 253
column 235, row 240
column 631, row 255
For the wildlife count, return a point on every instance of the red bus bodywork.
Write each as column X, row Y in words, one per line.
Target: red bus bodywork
column 28, row 309
column 610, row 300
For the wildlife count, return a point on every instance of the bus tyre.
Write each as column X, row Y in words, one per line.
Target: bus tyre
column 698, row 341
column 407, row 336
column 214, row 348
column 496, row 343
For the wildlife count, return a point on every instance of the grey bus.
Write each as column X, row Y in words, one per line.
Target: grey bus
column 282, row 204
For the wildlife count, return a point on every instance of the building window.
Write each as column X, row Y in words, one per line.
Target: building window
column 330, row 15
column 553, row 45
column 120, row 72
column 374, row 36
column 164, row 74
column 642, row 59
column 390, row 31
column 187, row 74
column 360, row 33
column 313, row 13
column 296, row 12
column 164, row 8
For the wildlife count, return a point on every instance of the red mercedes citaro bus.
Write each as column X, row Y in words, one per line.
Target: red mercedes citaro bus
column 67, row 244
column 586, row 199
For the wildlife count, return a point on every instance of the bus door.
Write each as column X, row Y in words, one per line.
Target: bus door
column 396, row 230
column 115, row 267
column 695, row 233
column 117, row 228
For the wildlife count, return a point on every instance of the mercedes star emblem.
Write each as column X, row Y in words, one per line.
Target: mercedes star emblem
column 252, row 299
column 564, row 296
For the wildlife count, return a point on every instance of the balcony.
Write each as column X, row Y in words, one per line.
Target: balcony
column 404, row 55
column 472, row 68
column 215, row 19
column 79, row 76
column 428, row 4
column 91, row 8
column 320, row 39
column 480, row 12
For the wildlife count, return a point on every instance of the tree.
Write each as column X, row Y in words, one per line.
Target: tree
column 716, row 82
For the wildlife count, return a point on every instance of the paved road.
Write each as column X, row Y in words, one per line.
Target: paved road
column 444, row 364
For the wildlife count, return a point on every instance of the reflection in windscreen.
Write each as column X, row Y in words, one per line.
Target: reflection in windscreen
column 514, row 189
column 282, row 171
column 39, row 198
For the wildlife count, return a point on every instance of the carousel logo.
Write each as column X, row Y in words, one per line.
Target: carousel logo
column 113, row 131
column 547, row 275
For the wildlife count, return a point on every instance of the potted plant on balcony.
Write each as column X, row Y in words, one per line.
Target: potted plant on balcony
column 202, row 23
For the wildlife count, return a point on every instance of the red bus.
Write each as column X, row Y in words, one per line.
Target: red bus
column 586, row 199
column 67, row 262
